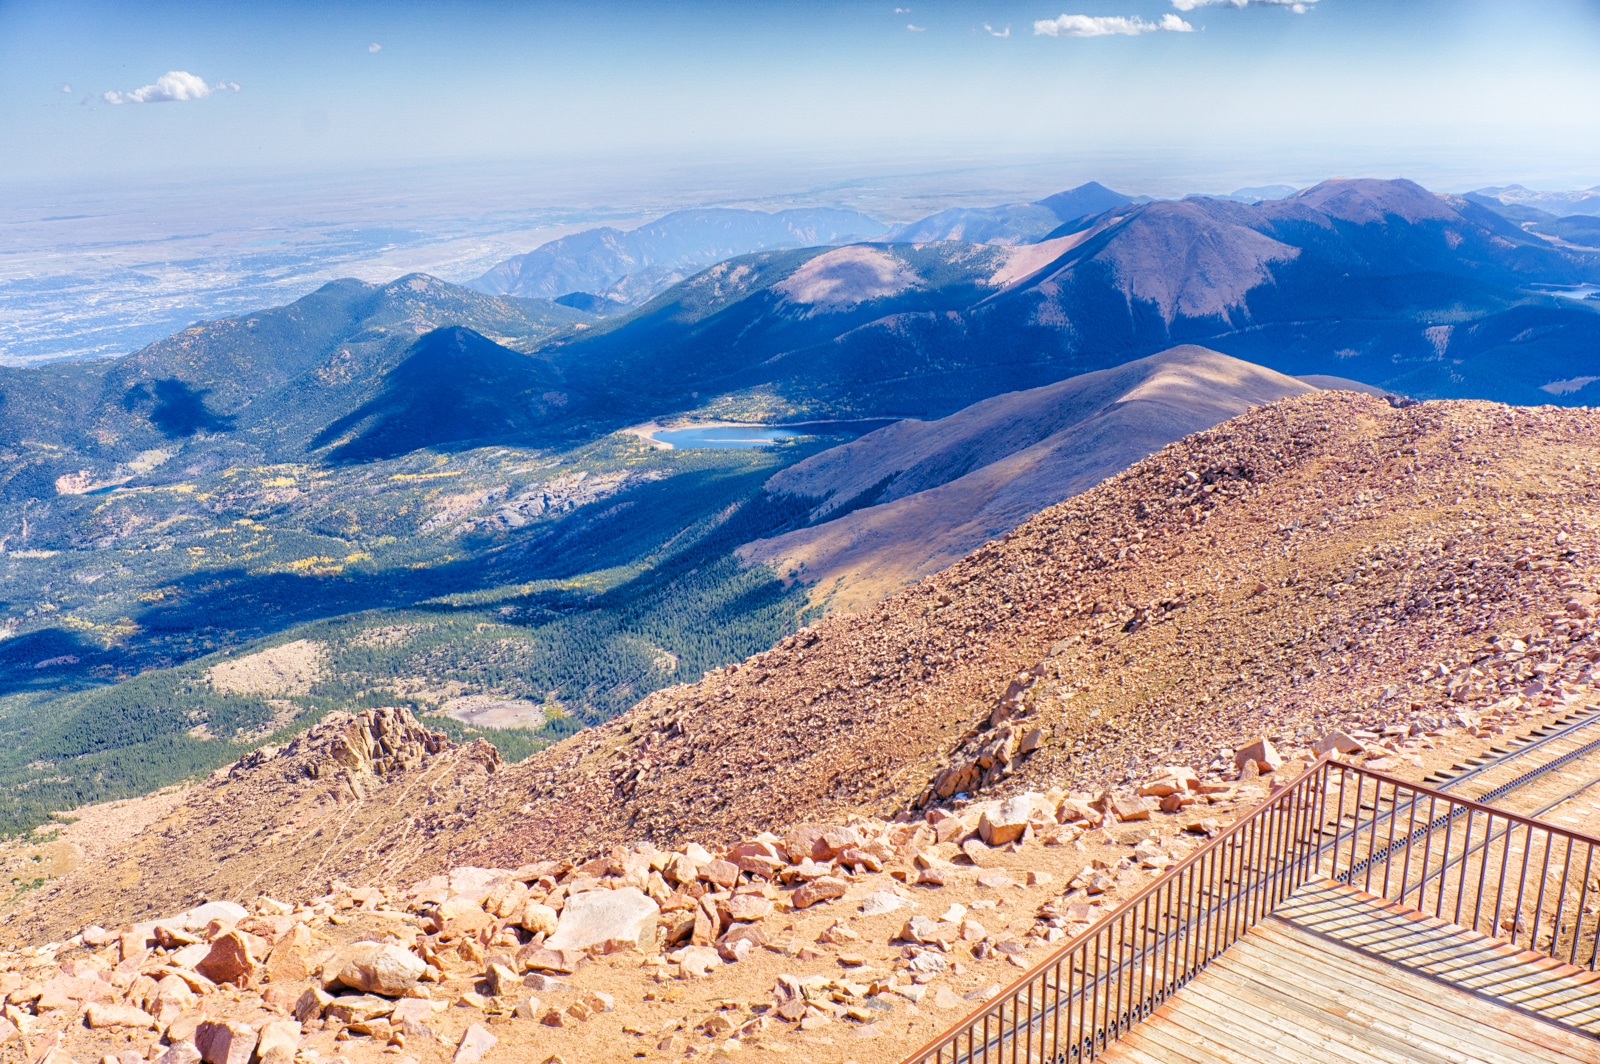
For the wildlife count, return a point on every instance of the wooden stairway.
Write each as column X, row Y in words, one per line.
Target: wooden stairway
column 1338, row 975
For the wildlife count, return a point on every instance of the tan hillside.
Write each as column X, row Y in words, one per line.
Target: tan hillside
column 899, row 810
column 940, row 489
column 1328, row 558
column 1305, row 562
column 362, row 795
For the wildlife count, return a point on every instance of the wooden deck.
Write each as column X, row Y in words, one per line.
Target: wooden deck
column 1341, row 976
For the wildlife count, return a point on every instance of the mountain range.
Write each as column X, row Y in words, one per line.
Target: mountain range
column 626, row 267
column 417, row 478
column 1380, row 281
column 1015, row 223
column 1586, row 201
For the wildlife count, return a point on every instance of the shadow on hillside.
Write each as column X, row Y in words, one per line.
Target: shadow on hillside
column 663, row 522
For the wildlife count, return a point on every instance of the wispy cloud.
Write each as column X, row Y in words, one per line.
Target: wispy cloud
column 374, row 47
column 991, row 31
column 1108, row 26
column 175, row 86
column 902, row 11
column 1299, row 7
column 916, row 29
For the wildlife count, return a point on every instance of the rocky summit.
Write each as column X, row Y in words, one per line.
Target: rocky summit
column 843, row 843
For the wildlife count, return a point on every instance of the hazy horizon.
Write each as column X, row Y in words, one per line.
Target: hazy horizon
column 1445, row 91
column 183, row 161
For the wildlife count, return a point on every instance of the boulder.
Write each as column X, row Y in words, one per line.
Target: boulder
column 801, row 841
column 197, row 918
column 290, row 959
column 229, row 960
column 311, row 1004
column 502, row 980
column 279, row 1041
column 924, row 930
column 539, row 959
column 99, row 1014
column 748, row 908
column 824, row 889
column 358, row 1008
column 1262, row 753
column 609, row 919
column 1125, row 809
column 538, row 919
column 1008, row 822
column 1174, row 779
column 680, row 868
column 1076, row 809
column 696, row 961
column 1339, row 741
column 411, row 1010
column 465, row 913
column 976, row 851
column 724, row 874
column 374, row 968
column 180, row 1052
column 881, row 901
column 475, row 1042
column 69, row 992
column 225, row 1042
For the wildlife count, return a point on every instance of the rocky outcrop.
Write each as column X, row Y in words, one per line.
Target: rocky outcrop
column 355, row 793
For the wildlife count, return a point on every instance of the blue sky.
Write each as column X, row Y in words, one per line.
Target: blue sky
column 1456, row 91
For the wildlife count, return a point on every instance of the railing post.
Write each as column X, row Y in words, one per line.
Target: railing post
column 1583, row 896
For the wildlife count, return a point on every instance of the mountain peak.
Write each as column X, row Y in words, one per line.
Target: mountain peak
column 1366, row 201
column 1087, row 199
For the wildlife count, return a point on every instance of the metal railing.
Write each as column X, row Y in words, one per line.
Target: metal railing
column 1508, row 876
column 1453, row 858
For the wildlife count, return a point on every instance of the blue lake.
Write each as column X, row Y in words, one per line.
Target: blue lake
column 727, row 437
column 1579, row 291
column 724, row 437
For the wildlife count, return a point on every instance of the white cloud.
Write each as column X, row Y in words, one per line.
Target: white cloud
column 916, row 29
column 1108, row 25
column 374, row 47
column 67, row 89
column 172, row 87
column 902, row 11
column 1299, row 7
column 996, row 33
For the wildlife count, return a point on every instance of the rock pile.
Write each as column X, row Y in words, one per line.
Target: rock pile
column 274, row 981
column 862, row 930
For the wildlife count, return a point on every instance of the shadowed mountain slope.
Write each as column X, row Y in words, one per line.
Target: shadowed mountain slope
column 912, row 498
column 1377, row 280
column 453, row 387
column 255, row 387
column 1283, row 572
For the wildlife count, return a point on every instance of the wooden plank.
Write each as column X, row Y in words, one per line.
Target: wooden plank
column 1137, row 1049
column 1314, row 952
column 1510, row 971
column 1552, row 982
column 1390, row 1039
column 1234, row 1040
column 1427, row 993
column 1411, row 1006
column 1175, row 1042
